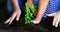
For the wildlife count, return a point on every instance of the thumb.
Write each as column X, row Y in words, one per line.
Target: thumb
column 51, row 14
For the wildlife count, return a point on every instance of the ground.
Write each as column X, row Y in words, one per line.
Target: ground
column 19, row 26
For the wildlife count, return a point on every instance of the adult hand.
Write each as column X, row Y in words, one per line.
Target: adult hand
column 16, row 14
column 56, row 19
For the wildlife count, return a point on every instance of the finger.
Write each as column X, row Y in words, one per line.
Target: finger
column 18, row 16
column 57, row 22
column 51, row 14
column 12, row 18
column 7, row 21
column 11, row 21
column 35, row 22
column 54, row 20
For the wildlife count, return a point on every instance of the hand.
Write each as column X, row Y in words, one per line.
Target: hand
column 56, row 19
column 16, row 14
column 36, row 20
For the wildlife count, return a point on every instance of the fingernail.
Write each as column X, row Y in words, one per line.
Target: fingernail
column 17, row 19
column 56, row 26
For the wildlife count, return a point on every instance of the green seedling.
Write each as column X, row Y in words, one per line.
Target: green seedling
column 29, row 14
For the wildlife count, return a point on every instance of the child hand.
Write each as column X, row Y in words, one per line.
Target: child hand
column 56, row 19
column 36, row 20
column 16, row 14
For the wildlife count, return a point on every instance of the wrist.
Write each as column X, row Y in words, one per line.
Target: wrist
column 38, row 18
column 17, row 10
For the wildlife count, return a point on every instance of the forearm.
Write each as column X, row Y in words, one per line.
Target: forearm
column 42, row 5
column 30, row 2
column 15, row 4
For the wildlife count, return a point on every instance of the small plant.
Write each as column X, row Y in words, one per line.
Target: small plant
column 29, row 14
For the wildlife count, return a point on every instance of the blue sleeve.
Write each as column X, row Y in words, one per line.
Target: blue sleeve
column 20, row 2
column 53, row 6
column 9, row 7
column 35, row 2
